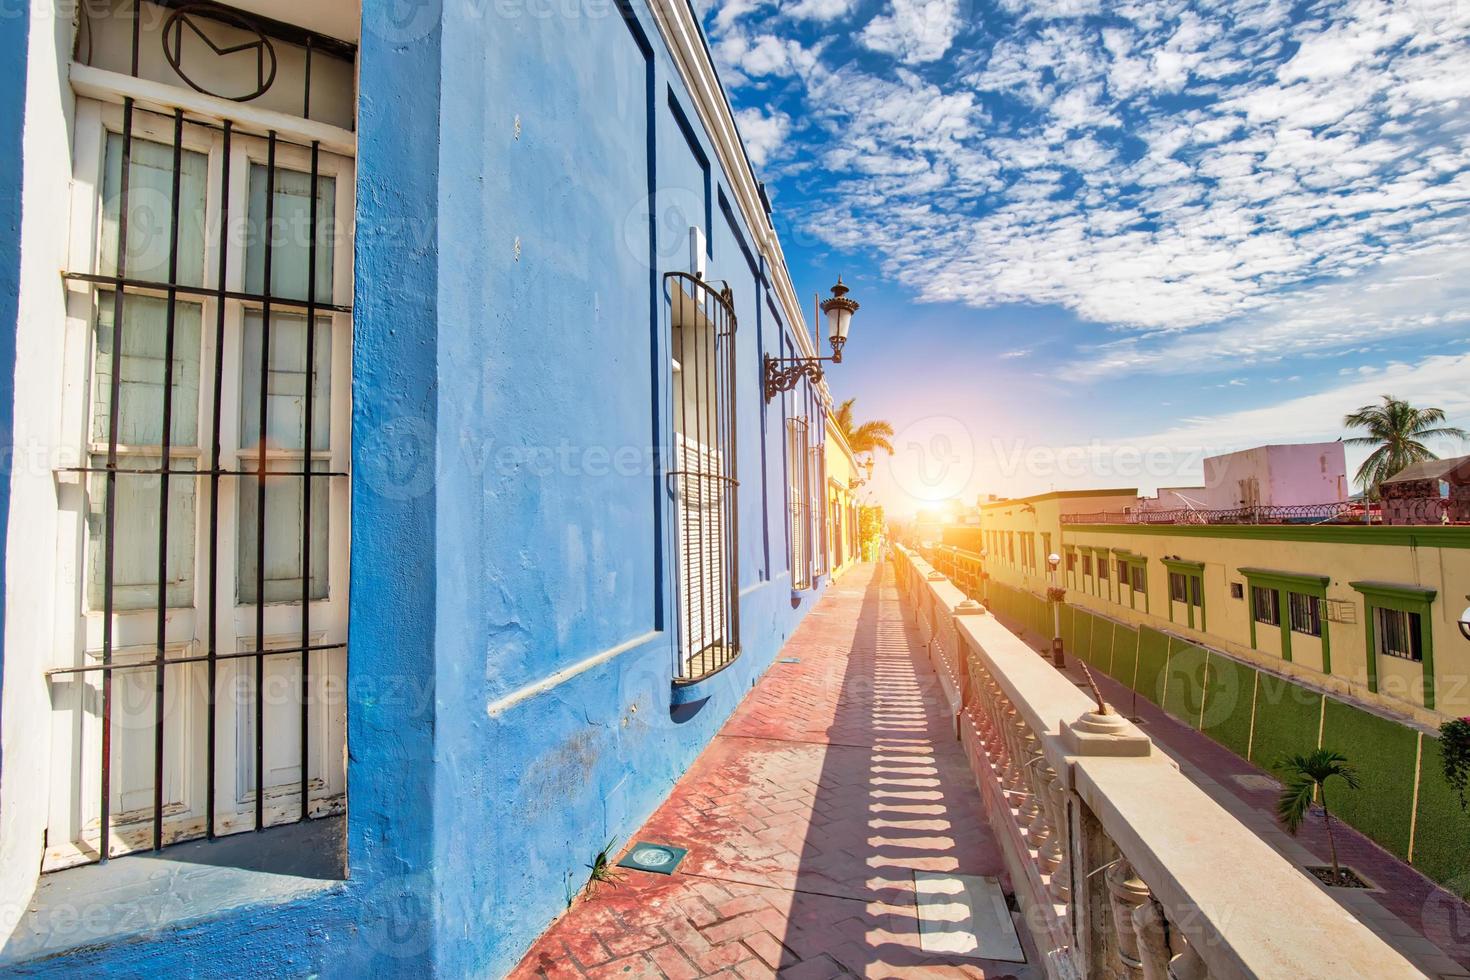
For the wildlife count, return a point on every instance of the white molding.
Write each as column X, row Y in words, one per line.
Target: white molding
column 503, row 704
column 685, row 41
column 111, row 86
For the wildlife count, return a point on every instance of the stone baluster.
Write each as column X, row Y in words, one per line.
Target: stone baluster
column 1187, row 964
column 1153, row 939
column 1049, row 855
column 1126, row 892
column 1060, row 885
column 1034, row 813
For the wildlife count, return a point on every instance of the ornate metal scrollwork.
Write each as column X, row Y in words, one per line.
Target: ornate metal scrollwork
column 779, row 378
column 188, row 17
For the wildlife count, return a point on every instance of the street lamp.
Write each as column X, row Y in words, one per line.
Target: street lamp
column 1058, row 657
column 1465, row 622
column 782, row 373
column 985, row 576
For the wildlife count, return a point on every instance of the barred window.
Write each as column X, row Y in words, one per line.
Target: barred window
column 1305, row 612
column 798, row 501
column 1399, row 633
column 1178, row 587
column 209, row 336
column 1265, row 605
column 703, row 479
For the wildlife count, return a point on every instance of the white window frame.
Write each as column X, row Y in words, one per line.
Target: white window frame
column 73, row 801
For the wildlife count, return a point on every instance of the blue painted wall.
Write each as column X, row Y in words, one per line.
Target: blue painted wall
column 12, row 110
column 512, row 641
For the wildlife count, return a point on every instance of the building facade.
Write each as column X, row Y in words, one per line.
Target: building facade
column 397, row 508
column 1367, row 611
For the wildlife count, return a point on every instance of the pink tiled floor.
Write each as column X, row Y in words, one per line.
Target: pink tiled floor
column 805, row 818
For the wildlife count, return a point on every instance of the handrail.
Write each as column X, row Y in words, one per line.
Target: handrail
column 1122, row 864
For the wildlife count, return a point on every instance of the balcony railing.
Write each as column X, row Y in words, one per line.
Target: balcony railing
column 1123, row 867
column 1403, row 512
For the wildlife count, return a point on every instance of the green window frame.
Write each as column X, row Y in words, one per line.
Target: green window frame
column 1411, row 599
column 1282, row 584
column 1192, row 575
column 1132, row 571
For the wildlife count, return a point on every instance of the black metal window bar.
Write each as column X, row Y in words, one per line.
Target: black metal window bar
column 703, row 482
column 798, row 491
column 818, row 469
column 283, row 294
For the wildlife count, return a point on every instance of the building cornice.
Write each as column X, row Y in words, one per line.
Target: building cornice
column 1060, row 495
column 1409, row 535
column 685, row 41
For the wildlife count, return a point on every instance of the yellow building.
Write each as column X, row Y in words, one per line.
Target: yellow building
column 844, row 476
column 1369, row 612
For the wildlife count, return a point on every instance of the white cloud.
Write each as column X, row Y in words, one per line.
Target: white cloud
column 818, row 10
column 914, row 31
column 764, row 135
column 1053, row 163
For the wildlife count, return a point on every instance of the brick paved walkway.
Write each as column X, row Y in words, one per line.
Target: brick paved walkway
column 805, row 818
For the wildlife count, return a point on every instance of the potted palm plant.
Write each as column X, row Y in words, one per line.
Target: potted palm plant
column 1306, row 779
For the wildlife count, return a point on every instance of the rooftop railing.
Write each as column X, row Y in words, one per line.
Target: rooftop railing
column 1401, row 512
column 1122, row 866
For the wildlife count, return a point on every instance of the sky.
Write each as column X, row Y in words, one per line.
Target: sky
column 1097, row 240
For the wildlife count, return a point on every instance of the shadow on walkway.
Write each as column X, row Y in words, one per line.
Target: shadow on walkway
column 806, row 818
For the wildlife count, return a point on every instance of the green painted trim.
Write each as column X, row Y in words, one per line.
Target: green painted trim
column 1387, row 592
column 1400, row 598
column 1182, row 565
column 1061, row 495
column 1290, row 581
column 1422, row 536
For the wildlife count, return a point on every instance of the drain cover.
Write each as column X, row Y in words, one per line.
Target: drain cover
column 660, row 859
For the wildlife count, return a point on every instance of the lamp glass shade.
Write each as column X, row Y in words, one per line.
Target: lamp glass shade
column 1465, row 623
column 838, row 320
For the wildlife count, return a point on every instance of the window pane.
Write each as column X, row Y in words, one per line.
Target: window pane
column 286, row 402
column 150, row 201
column 140, row 403
column 1306, row 615
column 1196, row 591
column 1137, row 579
column 135, row 536
column 283, row 517
column 292, row 234
column 1265, row 603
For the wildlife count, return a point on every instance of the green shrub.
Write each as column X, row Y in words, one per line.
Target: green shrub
column 1383, row 752
column 1184, row 682
column 1441, row 828
column 1229, row 697
column 1287, row 717
column 1124, row 662
column 1153, row 657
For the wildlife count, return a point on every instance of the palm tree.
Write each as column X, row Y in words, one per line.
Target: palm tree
column 1306, row 778
column 866, row 438
column 1397, row 429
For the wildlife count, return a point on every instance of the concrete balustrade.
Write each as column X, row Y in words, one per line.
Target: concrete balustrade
column 1122, row 866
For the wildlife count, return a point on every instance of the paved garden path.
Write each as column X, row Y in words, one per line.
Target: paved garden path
column 806, row 819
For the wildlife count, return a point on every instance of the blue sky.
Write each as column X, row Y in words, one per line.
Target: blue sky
column 1095, row 240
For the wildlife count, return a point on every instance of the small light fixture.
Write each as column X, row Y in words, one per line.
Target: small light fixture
column 1053, row 560
column 868, row 465
column 782, row 373
column 1464, row 623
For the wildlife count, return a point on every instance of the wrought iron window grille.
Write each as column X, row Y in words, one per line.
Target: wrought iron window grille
column 703, row 482
column 117, row 290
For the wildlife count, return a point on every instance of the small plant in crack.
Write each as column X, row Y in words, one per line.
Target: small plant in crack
column 603, row 871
